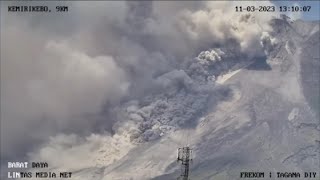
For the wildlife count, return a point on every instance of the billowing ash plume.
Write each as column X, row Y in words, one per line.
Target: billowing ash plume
column 137, row 69
column 210, row 57
column 267, row 42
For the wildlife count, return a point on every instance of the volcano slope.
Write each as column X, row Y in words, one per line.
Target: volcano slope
column 255, row 115
column 271, row 123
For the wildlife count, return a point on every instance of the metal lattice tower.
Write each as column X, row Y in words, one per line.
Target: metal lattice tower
column 184, row 155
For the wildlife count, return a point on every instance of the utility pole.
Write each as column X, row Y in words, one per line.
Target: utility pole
column 184, row 155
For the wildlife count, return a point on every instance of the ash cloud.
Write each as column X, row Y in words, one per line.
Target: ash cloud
column 150, row 65
column 48, row 87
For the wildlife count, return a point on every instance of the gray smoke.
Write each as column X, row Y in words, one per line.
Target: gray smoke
column 138, row 69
